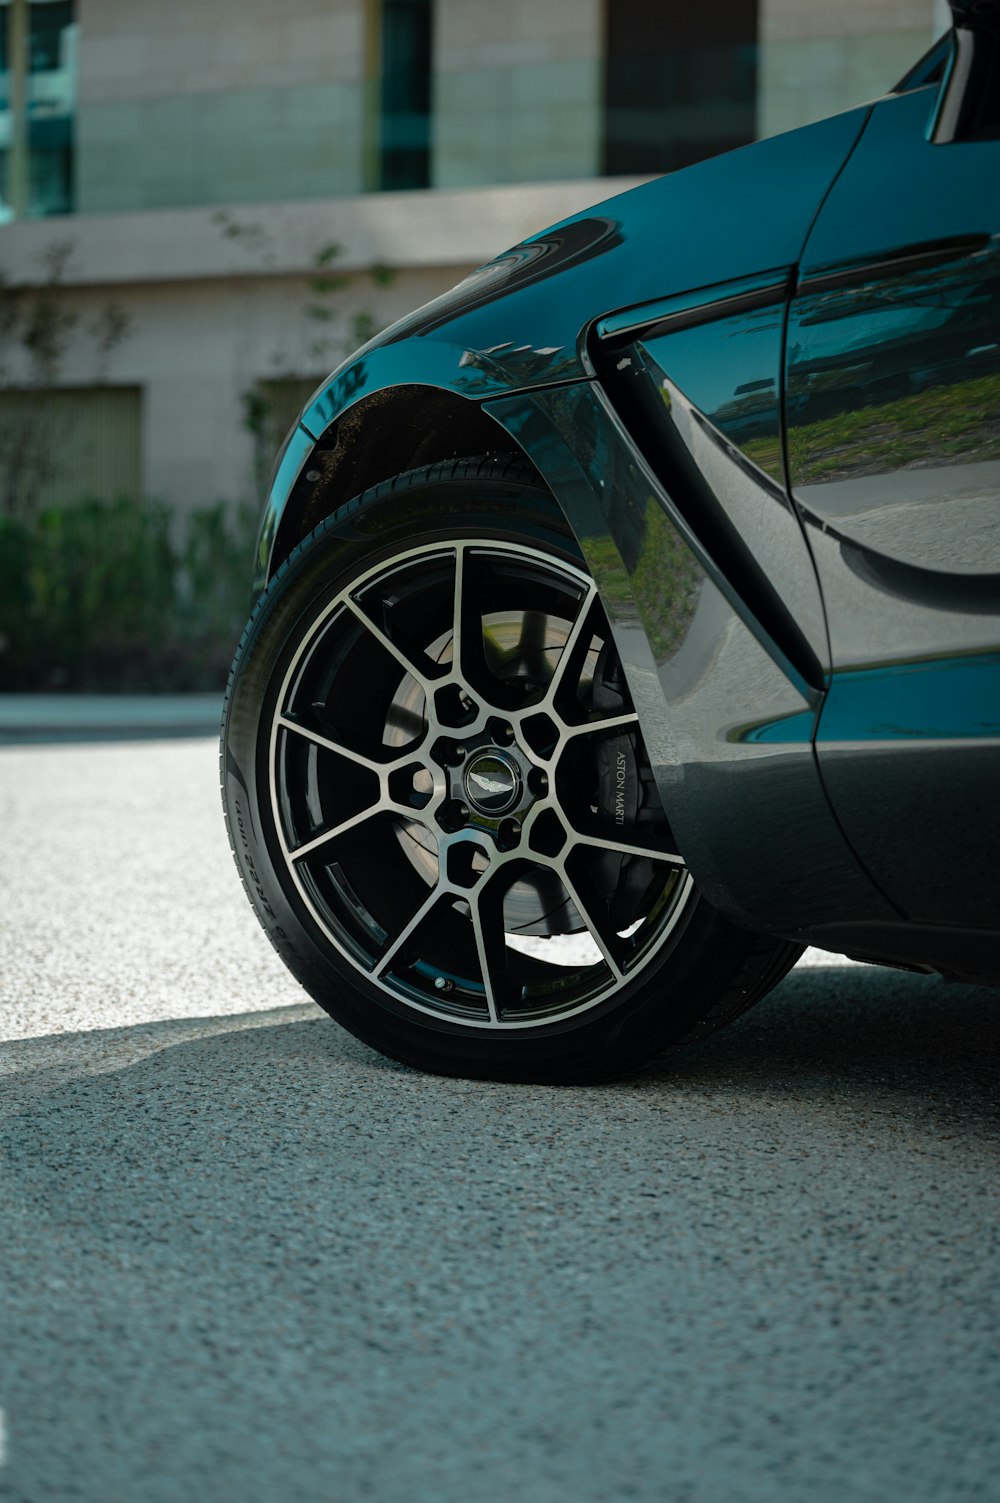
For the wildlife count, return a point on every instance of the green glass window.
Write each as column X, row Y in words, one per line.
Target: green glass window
column 405, row 96
column 680, row 83
column 37, row 105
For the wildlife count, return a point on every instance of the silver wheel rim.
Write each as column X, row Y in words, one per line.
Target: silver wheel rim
column 433, row 754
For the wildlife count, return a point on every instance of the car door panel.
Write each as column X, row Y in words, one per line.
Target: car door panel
column 893, row 443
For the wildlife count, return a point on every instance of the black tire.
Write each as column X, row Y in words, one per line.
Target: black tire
column 439, row 802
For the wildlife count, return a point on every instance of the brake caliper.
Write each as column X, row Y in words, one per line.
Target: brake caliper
column 626, row 798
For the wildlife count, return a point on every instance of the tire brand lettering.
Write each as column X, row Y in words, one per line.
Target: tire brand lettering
column 248, row 863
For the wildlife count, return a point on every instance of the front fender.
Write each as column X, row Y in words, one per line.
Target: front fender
column 519, row 323
column 728, row 722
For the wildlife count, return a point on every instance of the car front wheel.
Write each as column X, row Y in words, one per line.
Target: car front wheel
column 440, row 802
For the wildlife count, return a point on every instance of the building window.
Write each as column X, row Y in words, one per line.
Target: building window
column 37, row 103
column 674, row 93
column 405, row 94
column 98, row 456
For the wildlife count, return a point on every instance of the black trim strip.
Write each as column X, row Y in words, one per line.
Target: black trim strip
column 649, row 320
column 895, row 264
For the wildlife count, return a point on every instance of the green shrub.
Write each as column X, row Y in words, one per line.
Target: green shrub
column 121, row 596
column 215, row 566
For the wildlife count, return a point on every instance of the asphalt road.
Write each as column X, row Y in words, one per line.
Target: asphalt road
column 243, row 1257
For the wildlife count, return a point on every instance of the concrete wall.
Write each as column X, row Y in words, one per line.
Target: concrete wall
column 236, row 101
column 194, row 347
column 212, row 313
column 517, row 90
column 816, row 60
column 218, row 101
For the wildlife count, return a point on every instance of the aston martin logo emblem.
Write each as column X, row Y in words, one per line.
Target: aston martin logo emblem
column 490, row 785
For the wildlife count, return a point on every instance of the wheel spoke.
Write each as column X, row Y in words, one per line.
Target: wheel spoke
column 623, row 721
column 599, row 928
column 410, row 928
column 328, row 744
column 308, row 846
column 468, row 658
column 340, row 750
column 623, row 848
column 487, row 925
column 457, row 620
column 402, row 658
column 570, row 653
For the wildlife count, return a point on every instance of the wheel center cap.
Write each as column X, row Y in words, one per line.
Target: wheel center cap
column 492, row 783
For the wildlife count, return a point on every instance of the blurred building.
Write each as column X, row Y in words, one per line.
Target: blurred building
column 214, row 167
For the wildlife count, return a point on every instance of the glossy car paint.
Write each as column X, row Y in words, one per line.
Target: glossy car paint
column 816, row 679
column 893, row 379
column 522, row 320
column 726, row 719
column 519, row 322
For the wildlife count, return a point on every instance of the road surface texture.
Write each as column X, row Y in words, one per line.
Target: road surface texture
column 245, row 1258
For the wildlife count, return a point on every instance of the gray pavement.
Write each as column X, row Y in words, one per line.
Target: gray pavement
column 243, row 1256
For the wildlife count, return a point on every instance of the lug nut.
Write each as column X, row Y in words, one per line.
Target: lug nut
column 449, row 753
column 508, row 834
column 502, row 732
column 538, row 782
column 452, row 815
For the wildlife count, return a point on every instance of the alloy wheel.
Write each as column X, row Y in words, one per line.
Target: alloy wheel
column 461, row 792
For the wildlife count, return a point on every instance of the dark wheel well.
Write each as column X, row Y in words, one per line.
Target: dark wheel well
column 385, row 434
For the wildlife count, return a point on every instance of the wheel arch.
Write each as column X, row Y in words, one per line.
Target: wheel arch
column 386, row 432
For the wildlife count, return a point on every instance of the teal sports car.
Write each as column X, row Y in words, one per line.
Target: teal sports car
column 629, row 618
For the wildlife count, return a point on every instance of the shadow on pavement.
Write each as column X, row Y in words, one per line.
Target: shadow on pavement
column 859, row 1030
column 855, row 1028
column 250, row 1251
